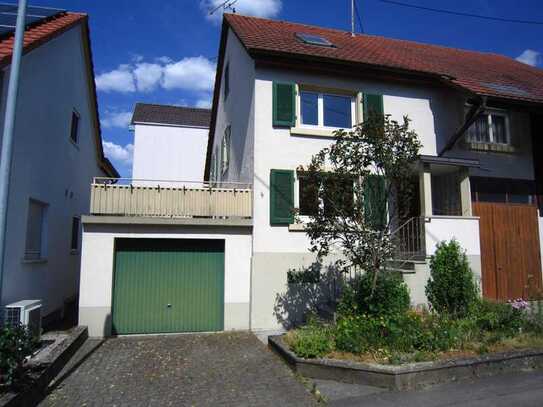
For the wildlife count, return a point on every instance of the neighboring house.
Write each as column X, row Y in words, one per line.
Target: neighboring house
column 170, row 143
column 57, row 151
column 281, row 90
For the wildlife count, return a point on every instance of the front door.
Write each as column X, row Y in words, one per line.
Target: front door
column 510, row 250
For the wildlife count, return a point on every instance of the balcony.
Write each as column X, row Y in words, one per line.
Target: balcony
column 170, row 199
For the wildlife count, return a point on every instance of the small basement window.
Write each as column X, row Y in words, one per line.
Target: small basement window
column 312, row 39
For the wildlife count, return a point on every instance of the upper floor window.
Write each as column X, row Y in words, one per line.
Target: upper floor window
column 74, row 128
column 226, row 81
column 35, row 227
column 326, row 110
column 491, row 127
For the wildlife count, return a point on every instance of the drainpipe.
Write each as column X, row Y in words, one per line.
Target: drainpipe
column 473, row 114
column 9, row 125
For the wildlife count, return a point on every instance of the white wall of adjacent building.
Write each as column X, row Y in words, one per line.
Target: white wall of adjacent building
column 47, row 166
column 168, row 152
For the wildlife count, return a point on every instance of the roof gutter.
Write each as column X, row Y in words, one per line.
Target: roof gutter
column 474, row 112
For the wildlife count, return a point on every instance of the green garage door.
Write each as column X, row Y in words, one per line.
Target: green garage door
column 168, row 285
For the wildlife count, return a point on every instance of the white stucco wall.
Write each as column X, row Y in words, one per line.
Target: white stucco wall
column 164, row 152
column 97, row 268
column 238, row 112
column 48, row 167
column 276, row 148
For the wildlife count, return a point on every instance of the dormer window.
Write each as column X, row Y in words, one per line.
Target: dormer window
column 313, row 39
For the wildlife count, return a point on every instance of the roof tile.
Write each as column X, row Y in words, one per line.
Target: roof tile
column 482, row 73
column 173, row 115
column 39, row 33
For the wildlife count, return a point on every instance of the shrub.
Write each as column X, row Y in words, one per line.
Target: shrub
column 311, row 341
column 499, row 318
column 358, row 333
column 390, row 296
column 451, row 288
column 15, row 345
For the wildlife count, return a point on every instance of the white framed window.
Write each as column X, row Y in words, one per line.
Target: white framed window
column 36, row 230
column 76, row 231
column 338, row 195
column 217, row 163
column 225, row 149
column 492, row 127
column 326, row 109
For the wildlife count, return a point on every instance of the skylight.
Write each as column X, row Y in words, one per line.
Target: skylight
column 314, row 40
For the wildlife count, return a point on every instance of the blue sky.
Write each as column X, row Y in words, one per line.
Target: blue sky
column 165, row 51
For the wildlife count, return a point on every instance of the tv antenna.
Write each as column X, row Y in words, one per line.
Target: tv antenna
column 225, row 5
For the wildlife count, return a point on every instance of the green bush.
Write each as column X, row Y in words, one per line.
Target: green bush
column 15, row 345
column 499, row 318
column 451, row 288
column 390, row 296
column 312, row 341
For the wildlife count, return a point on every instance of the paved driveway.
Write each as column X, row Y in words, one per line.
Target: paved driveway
column 193, row 370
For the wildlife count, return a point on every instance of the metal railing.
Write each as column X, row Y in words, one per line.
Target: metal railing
column 170, row 198
column 409, row 239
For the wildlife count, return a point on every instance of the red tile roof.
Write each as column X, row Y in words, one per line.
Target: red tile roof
column 40, row 33
column 481, row 73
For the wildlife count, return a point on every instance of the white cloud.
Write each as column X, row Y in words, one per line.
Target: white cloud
column 191, row 73
column 196, row 73
column 258, row 8
column 116, row 119
column 119, row 154
column 204, row 103
column 530, row 57
column 147, row 76
column 118, row 80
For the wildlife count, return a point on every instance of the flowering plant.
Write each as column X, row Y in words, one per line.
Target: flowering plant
column 518, row 304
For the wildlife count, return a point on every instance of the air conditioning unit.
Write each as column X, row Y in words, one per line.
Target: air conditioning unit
column 27, row 313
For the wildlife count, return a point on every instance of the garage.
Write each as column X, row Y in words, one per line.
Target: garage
column 168, row 285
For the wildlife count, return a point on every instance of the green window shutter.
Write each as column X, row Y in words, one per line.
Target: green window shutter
column 373, row 104
column 284, row 104
column 375, row 201
column 281, row 197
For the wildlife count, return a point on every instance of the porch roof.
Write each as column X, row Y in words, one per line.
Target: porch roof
column 458, row 162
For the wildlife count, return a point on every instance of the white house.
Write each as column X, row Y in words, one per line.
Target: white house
column 57, row 151
column 161, row 133
column 281, row 90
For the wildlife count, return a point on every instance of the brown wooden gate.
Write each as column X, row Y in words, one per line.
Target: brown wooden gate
column 510, row 251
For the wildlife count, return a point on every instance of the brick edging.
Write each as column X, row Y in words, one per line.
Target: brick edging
column 52, row 367
column 413, row 375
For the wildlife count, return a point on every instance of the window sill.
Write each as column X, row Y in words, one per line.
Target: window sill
column 34, row 261
column 306, row 131
column 296, row 227
column 492, row 147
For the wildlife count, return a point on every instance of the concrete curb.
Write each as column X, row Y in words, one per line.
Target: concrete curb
column 47, row 367
column 410, row 376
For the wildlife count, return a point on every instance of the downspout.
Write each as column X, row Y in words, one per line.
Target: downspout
column 473, row 114
column 9, row 128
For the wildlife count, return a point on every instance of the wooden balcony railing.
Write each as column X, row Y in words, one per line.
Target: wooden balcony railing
column 170, row 199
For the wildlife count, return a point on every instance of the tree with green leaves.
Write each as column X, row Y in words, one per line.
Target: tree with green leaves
column 351, row 192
